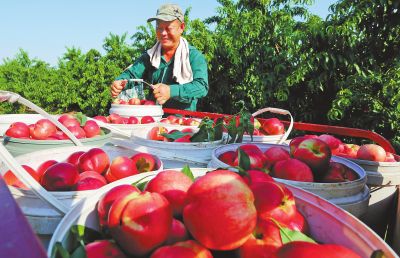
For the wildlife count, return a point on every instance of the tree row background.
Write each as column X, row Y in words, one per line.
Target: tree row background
column 344, row 70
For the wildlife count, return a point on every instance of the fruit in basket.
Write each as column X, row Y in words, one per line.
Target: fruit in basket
column 89, row 180
column 144, row 162
column 273, row 126
column 42, row 129
column 274, row 200
column 177, row 233
column 301, row 249
column 60, row 177
column 186, row 249
column 275, row 154
column 101, row 118
column 91, row 129
column 77, row 131
column 65, row 117
column 45, row 165
column 294, row 143
column 256, row 176
column 371, row 152
column 293, row 169
column 338, row 172
column 349, row 151
column 148, row 102
column 18, row 130
column 192, row 122
column 211, row 208
column 133, row 120
column 147, row 120
column 315, row 153
column 70, row 121
column 134, row 101
column 173, row 185
column 390, row 157
column 172, row 119
column 334, row 143
column 140, row 222
column 94, row 159
column 298, row 223
column 103, row 249
column 120, row 167
column 114, row 118
column 256, row 156
column 12, row 180
column 185, row 138
column 228, row 157
column 73, row 158
column 264, row 241
column 105, row 202
column 155, row 133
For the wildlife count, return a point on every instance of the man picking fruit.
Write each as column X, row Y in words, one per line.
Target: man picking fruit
column 177, row 70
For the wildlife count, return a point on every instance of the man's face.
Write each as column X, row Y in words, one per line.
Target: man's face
column 169, row 33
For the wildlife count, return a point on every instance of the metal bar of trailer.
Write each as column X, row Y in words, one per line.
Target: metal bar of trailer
column 338, row 130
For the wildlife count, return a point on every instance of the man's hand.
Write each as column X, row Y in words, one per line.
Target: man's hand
column 161, row 92
column 117, row 87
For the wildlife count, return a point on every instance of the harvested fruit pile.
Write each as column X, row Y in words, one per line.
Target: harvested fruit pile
column 88, row 170
column 44, row 129
column 219, row 214
column 114, row 118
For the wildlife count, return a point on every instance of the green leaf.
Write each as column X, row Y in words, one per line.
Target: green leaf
column 232, row 130
column 205, row 133
column 141, row 185
column 187, row 171
column 174, row 135
column 218, row 128
column 79, row 252
column 81, row 118
column 244, row 160
column 59, row 251
column 288, row 235
column 82, row 234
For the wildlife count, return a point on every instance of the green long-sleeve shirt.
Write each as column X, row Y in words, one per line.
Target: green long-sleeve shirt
column 183, row 96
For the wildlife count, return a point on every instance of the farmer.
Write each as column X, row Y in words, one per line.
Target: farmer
column 177, row 70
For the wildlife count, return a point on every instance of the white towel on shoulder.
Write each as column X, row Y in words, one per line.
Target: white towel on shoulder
column 182, row 71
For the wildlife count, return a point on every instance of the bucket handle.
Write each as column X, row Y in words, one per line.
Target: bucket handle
column 28, row 180
column 280, row 112
column 14, row 97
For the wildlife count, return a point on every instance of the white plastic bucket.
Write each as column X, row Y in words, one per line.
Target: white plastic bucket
column 280, row 138
column 138, row 111
column 328, row 224
column 352, row 196
column 42, row 216
column 383, row 179
column 173, row 154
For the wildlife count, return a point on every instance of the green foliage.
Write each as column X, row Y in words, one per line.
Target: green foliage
column 344, row 70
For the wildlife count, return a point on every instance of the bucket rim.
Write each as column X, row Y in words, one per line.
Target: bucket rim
column 375, row 163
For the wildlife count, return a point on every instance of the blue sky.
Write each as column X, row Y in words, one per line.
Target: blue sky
column 44, row 28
